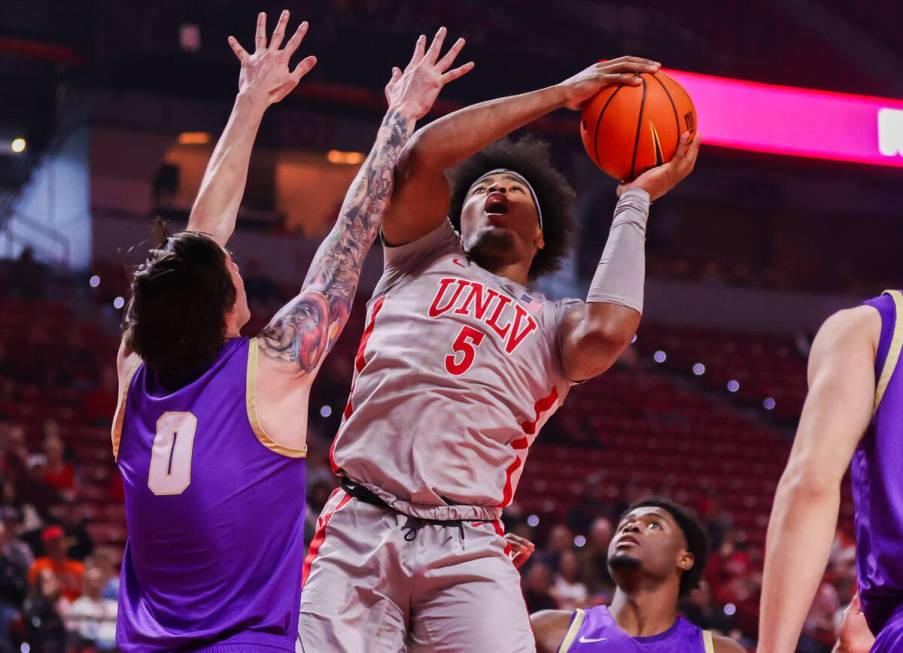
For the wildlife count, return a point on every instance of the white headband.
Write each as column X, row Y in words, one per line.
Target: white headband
column 522, row 180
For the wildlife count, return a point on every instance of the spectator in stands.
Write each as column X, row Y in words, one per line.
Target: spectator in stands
column 100, row 404
column 56, row 472
column 72, row 517
column 569, row 593
column 537, row 586
column 561, row 539
column 68, row 573
column 91, row 619
column 45, row 631
column 728, row 564
column 14, row 565
column 594, row 558
column 698, row 608
column 102, row 561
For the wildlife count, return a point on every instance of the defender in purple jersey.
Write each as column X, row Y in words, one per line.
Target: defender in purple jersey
column 853, row 417
column 210, row 430
column 657, row 555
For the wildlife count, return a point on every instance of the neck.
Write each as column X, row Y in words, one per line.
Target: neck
column 517, row 272
column 644, row 611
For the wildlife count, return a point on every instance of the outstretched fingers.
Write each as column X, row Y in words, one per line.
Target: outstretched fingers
column 436, row 46
column 304, row 66
column 260, row 36
column 239, row 51
column 295, row 41
column 445, row 62
column 279, row 32
column 455, row 73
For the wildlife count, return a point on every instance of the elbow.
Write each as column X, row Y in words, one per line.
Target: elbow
column 598, row 351
column 804, row 482
column 420, row 154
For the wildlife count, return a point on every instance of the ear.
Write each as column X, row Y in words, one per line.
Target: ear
column 686, row 561
column 539, row 241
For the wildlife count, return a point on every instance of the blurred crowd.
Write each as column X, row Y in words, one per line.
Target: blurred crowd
column 58, row 588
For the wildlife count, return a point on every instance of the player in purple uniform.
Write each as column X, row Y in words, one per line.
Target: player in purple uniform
column 210, row 430
column 658, row 554
column 853, row 413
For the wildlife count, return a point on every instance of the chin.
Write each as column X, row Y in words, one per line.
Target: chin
column 624, row 561
column 494, row 248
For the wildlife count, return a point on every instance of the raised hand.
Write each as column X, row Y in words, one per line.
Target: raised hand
column 661, row 179
column 414, row 91
column 265, row 74
column 588, row 82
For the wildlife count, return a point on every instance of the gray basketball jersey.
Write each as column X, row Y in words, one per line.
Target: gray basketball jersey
column 457, row 371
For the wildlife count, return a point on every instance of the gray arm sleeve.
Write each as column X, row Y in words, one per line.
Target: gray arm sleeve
column 621, row 274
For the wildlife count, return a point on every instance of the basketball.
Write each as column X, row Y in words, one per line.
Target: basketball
column 627, row 130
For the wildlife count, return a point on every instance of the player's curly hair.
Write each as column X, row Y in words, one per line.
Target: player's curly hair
column 694, row 533
column 528, row 156
column 179, row 298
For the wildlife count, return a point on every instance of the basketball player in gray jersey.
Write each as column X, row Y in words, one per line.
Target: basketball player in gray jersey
column 459, row 367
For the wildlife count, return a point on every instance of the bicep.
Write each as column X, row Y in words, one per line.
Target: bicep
column 838, row 407
column 724, row 644
column 419, row 201
column 302, row 332
column 549, row 629
column 591, row 337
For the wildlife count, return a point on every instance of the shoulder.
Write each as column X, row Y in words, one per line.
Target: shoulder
column 724, row 644
column 549, row 628
column 849, row 329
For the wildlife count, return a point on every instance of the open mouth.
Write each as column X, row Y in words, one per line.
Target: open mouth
column 496, row 204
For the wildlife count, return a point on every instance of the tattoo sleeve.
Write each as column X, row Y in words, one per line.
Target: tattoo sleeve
column 306, row 328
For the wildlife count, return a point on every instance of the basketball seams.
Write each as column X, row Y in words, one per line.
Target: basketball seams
column 639, row 125
column 599, row 123
column 673, row 106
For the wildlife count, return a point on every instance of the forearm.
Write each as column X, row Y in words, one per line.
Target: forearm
column 457, row 136
column 216, row 208
column 800, row 533
column 336, row 268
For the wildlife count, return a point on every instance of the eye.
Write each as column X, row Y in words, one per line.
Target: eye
column 477, row 189
column 655, row 524
column 518, row 189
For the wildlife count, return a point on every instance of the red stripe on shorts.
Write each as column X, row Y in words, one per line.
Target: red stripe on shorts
column 359, row 363
column 540, row 407
column 497, row 525
column 320, row 535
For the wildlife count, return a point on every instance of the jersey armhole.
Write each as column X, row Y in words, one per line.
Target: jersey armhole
column 573, row 630
column 893, row 352
column 251, row 407
column 708, row 641
column 119, row 415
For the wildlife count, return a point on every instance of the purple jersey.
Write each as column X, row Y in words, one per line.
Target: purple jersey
column 594, row 630
column 215, row 513
column 877, row 483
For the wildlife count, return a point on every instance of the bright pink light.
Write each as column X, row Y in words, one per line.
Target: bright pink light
column 796, row 121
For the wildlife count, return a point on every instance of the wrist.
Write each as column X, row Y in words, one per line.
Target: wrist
column 560, row 95
column 406, row 111
column 255, row 103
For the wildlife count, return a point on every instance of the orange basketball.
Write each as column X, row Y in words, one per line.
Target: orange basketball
column 628, row 129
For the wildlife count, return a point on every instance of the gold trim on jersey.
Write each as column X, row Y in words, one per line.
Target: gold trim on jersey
column 119, row 415
column 893, row 352
column 708, row 641
column 251, row 402
column 571, row 635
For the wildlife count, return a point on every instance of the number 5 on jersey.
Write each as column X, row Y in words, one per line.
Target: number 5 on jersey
column 465, row 346
column 170, row 464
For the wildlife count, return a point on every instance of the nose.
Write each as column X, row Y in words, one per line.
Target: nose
column 631, row 527
column 497, row 187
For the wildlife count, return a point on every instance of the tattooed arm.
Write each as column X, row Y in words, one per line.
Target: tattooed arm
column 265, row 79
column 303, row 332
